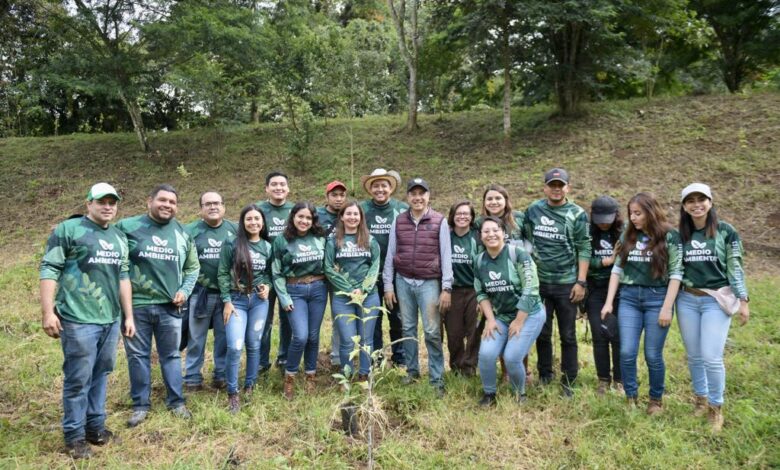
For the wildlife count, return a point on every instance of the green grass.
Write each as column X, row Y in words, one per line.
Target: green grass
column 728, row 141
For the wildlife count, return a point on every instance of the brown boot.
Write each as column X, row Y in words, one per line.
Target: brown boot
column 654, row 406
column 234, row 403
column 289, row 386
column 310, row 385
column 632, row 403
column 699, row 405
column 603, row 387
column 715, row 417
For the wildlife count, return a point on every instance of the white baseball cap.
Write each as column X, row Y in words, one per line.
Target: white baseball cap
column 102, row 190
column 696, row 188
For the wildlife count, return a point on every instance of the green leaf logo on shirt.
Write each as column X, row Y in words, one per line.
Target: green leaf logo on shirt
column 350, row 245
column 381, row 220
column 698, row 245
column 459, row 249
column 278, row 221
column 547, row 221
column 214, row 243
column 159, row 241
column 640, row 245
column 494, row 275
column 105, row 245
column 605, row 244
column 304, row 248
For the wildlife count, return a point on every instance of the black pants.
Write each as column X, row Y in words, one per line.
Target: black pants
column 394, row 318
column 557, row 303
column 597, row 296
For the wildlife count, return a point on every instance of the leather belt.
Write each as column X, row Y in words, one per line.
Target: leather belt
column 695, row 291
column 306, row 279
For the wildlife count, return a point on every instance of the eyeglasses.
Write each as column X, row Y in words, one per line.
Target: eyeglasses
column 463, row 214
column 212, row 204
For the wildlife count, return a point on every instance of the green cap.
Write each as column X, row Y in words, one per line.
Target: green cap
column 102, row 190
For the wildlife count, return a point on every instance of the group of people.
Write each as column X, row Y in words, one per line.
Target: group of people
column 494, row 281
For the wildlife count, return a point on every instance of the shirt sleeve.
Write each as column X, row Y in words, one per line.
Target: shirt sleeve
column 337, row 278
column 478, row 286
column 190, row 270
column 734, row 271
column 53, row 261
column 529, row 298
column 224, row 279
column 389, row 270
column 280, row 281
column 674, row 259
column 582, row 237
column 445, row 253
column 373, row 271
column 124, row 268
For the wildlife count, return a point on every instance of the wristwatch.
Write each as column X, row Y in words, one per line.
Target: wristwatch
column 582, row 283
column 447, row 289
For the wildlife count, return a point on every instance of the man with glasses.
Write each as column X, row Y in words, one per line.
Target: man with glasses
column 210, row 234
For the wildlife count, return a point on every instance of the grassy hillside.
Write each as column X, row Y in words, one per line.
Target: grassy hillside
column 731, row 142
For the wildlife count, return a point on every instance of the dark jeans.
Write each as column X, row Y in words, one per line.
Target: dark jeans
column 285, row 333
column 461, row 325
column 597, row 296
column 396, row 331
column 557, row 303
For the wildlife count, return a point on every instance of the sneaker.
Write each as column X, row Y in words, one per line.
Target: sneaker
column 522, row 398
column 219, row 384
column 545, row 379
column 409, row 379
column 439, row 390
column 137, row 418
column 567, row 391
column 101, row 438
column 488, row 399
column 618, row 387
column 182, row 412
column 78, row 450
column 233, row 403
column 654, row 407
column 193, row 387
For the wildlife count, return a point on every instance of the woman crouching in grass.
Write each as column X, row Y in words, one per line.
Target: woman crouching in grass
column 352, row 266
column 244, row 277
column 508, row 294
column 648, row 270
column 712, row 258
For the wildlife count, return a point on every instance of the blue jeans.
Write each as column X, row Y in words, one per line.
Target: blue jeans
column 158, row 321
column 639, row 308
column 199, row 323
column 704, row 328
column 424, row 298
column 335, row 344
column 351, row 321
column 284, row 334
column 244, row 327
column 89, row 353
column 309, row 301
column 513, row 349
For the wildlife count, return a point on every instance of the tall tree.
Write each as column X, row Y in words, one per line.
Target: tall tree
column 409, row 40
column 748, row 33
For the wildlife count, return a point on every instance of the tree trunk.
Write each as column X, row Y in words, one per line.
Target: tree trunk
column 507, row 62
column 138, row 123
column 410, row 57
column 411, row 121
column 254, row 112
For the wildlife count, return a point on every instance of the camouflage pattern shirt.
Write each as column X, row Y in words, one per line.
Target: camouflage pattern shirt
column 637, row 270
column 260, row 252
column 87, row 261
column 712, row 263
column 351, row 267
column 510, row 286
column 209, row 242
column 275, row 217
column 299, row 257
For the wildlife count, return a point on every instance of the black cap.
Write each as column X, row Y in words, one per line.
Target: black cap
column 556, row 174
column 414, row 182
column 603, row 210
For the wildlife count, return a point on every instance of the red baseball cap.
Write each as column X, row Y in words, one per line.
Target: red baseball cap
column 333, row 185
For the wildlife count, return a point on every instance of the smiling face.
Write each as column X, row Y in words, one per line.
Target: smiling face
column 302, row 221
column 380, row 191
column 492, row 235
column 212, row 210
column 556, row 192
column 277, row 190
column 637, row 216
column 462, row 217
column 495, row 203
column 418, row 199
column 102, row 211
column 163, row 206
column 336, row 199
column 351, row 219
column 697, row 205
column 253, row 224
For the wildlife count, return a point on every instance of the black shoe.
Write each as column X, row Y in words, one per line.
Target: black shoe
column 488, row 399
column 521, row 398
column 193, row 387
column 219, row 384
column 409, row 379
column 567, row 391
column 137, row 418
column 439, row 390
column 545, row 379
column 78, row 450
column 101, row 438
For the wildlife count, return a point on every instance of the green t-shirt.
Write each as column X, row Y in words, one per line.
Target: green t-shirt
column 637, row 270
column 712, row 263
column 560, row 237
column 602, row 246
column 510, row 286
column 163, row 259
column 514, row 236
column 464, row 249
column 301, row 256
column 260, row 252
column 209, row 242
column 87, row 261
column 351, row 267
column 380, row 219
column 275, row 217
column 327, row 220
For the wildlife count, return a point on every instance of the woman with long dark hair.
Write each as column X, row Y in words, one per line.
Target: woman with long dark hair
column 299, row 281
column 495, row 202
column 352, row 266
column 648, row 270
column 244, row 277
column 606, row 225
column 461, row 319
column 713, row 290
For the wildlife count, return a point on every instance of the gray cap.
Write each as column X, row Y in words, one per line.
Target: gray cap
column 603, row 210
column 556, row 174
column 696, row 188
column 415, row 182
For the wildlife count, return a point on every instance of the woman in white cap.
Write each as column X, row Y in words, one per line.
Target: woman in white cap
column 605, row 229
column 713, row 290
